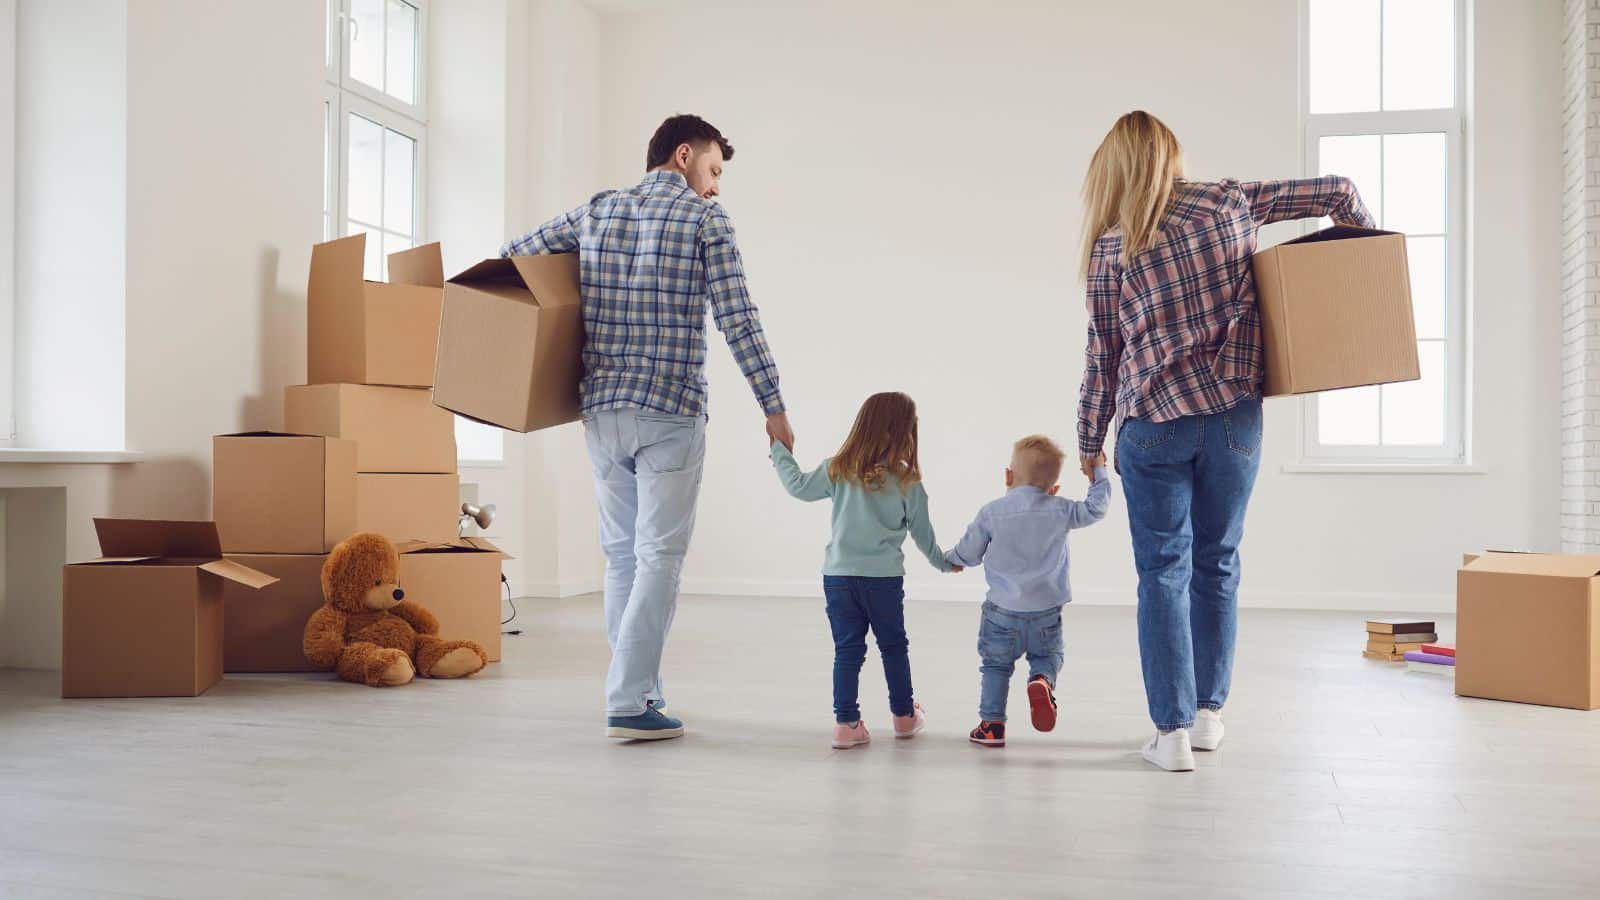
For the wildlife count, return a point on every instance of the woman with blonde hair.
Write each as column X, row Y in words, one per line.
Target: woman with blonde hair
column 1174, row 353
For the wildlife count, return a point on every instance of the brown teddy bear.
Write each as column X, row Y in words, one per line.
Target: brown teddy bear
column 368, row 632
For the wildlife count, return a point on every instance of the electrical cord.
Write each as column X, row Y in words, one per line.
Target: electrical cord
column 507, row 582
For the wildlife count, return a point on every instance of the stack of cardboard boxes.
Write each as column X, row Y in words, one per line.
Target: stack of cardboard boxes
column 364, row 449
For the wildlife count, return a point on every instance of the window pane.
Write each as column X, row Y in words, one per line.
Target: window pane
column 1418, row 54
column 399, row 182
column 365, row 31
column 364, row 171
column 402, row 52
column 327, row 157
column 373, row 268
column 1413, row 412
column 1428, row 281
column 1344, row 55
column 1414, row 183
column 394, row 243
column 332, row 12
column 1348, row 417
column 477, row 441
column 1357, row 157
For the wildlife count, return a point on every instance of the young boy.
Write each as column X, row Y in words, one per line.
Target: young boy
column 1021, row 540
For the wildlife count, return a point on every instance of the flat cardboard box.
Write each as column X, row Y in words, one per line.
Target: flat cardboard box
column 282, row 493
column 145, row 619
column 395, row 429
column 406, row 508
column 459, row 581
column 1336, row 311
column 510, row 342
column 367, row 332
column 264, row 631
column 1528, row 628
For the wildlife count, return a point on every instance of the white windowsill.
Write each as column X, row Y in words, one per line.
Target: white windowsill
column 480, row 464
column 10, row 455
column 1384, row 469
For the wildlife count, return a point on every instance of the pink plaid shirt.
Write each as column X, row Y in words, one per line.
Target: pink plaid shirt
column 1176, row 332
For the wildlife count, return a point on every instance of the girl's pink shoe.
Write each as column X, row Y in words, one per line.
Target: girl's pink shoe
column 912, row 725
column 847, row 736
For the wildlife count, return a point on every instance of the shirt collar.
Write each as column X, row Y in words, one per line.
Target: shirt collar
column 1026, row 489
column 665, row 176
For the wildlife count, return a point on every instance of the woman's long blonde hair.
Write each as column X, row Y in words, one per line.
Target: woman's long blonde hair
column 882, row 442
column 1129, row 184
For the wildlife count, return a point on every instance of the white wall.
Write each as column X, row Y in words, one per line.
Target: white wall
column 906, row 192
column 8, row 217
column 71, row 179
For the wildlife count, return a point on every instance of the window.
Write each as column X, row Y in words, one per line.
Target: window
column 1384, row 107
column 8, row 219
column 374, row 126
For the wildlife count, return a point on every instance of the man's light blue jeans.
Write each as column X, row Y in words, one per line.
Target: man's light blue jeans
column 647, row 469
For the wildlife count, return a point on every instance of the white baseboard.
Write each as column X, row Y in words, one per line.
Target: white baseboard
column 557, row 590
column 972, row 592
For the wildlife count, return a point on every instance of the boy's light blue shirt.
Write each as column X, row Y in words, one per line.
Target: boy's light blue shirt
column 868, row 526
column 1021, row 540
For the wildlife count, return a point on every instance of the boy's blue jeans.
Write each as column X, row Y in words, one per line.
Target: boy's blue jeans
column 856, row 604
column 1004, row 636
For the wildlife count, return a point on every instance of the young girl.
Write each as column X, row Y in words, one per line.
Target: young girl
column 876, row 488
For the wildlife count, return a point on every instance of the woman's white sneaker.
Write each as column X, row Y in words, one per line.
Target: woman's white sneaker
column 1207, row 731
column 1170, row 751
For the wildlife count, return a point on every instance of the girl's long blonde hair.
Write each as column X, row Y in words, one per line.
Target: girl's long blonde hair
column 882, row 442
column 1129, row 184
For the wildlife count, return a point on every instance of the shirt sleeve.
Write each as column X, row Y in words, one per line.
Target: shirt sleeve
column 1097, row 399
column 736, row 316
column 559, row 235
column 1093, row 507
column 969, row 551
column 921, row 530
column 1307, row 198
column 801, row 485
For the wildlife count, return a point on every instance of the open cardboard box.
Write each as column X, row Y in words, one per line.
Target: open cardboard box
column 1528, row 628
column 1336, row 311
column 146, row 619
column 282, row 493
column 369, row 332
column 511, row 342
column 459, row 581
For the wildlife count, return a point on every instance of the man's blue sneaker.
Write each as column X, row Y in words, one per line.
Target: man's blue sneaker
column 649, row 725
column 657, row 705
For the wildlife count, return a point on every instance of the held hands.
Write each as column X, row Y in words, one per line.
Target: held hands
column 1088, row 462
column 778, row 430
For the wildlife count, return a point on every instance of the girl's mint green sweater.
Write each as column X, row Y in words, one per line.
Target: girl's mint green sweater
column 868, row 526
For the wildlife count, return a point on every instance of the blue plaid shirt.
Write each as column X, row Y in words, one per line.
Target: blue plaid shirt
column 652, row 257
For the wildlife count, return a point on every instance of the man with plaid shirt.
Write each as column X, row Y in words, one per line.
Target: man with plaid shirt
column 652, row 258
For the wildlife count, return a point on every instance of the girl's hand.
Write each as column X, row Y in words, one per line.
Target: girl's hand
column 957, row 570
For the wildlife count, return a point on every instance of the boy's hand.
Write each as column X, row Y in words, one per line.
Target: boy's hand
column 1088, row 462
column 957, row 570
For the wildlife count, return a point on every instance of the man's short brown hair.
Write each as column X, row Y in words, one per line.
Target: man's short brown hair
column 1037, row 460
column 679, row 130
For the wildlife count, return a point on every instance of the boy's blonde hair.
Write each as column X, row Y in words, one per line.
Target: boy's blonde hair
column 1037, row 460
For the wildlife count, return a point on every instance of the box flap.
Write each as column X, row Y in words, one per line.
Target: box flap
column 553, row 279
column 238, row 573
column 489, row 270
column 116, row 560
column 422, row 266
column 269, row 434
column 1559, row 565
column 459, row 545
column 336, row 266
column 146, row 538
column 1338, row 233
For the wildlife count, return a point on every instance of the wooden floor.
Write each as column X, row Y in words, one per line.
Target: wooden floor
column 1340, row 777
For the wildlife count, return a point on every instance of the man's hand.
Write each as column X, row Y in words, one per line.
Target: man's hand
column 1088, row 462
column 778, row 430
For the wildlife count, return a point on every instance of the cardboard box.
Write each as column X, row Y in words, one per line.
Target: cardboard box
column 510, row 342
column 459, row 581
column 282, row 493
column 409, row 507
column 395, row 429
column 1528, row 629
column 367, row 332
column 264, row 631
column 1336, row 311
column 145, row 619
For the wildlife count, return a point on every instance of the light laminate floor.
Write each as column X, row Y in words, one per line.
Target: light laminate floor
column 1340, row 777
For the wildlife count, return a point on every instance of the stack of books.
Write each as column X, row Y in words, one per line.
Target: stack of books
column 1433, row 659
column 1392, row 639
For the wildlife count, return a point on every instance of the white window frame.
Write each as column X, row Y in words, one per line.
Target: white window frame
column 1452, row 122
column 345, row 96
column 8, row 221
